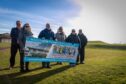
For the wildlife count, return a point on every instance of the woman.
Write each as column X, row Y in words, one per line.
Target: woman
column 60, row 36
column 25, row 32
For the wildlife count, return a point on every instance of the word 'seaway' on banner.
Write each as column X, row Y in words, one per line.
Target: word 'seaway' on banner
column 41, row 50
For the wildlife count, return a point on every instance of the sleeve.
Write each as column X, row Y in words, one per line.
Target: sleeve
column 65, row 36
column 79, row 41
column 67, row 39
column 12, row 33
column 56, row 36
column 86, row 40
column 40, row 34
column 53, row 36
column 21, row 40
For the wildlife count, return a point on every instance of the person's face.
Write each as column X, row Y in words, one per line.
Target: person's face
column 18, row 24
column 80, row 31
column 60, row 30
column 27, row 27
column 73, row 32
column 47, row 26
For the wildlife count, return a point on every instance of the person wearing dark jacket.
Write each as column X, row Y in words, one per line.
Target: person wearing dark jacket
column 47, row 33
column 14, row 44
column 25, row 32
column 73, row 38
column 84, row 41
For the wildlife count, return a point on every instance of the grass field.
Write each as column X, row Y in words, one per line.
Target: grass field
column 105, row 64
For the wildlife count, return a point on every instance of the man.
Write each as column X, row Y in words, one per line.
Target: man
column 15, row 45
column 73, row 38
column 47, row 33
column 83, row 41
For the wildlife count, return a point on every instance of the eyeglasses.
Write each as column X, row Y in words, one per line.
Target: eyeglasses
column 27, row 26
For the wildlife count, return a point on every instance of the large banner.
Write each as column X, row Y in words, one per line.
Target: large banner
column 41, row 50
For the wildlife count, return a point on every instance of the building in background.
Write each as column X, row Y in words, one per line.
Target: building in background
column 5, row 37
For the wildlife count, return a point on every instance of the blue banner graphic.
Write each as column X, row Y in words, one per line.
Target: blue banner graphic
column 41, row 50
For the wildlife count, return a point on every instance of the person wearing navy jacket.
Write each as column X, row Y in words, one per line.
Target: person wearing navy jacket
column 73, row 38
column 47, row 33
column 14, row 43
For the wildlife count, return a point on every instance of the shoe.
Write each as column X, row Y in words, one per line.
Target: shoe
column 59, row 63
column 22, row 70
column 72, row 65
column 77, row 63
column 82, row 63
column 43, row 67
column 27, row 70
column 10, row 67
column 48, row 67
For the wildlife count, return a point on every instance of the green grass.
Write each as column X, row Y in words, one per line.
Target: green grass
column 104, row 65
column 2, row 45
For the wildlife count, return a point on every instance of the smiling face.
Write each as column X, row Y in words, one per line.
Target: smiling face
column 73, row 31
column 27, row 27
column 60, row 29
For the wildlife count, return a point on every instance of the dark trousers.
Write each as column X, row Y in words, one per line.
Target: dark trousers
column 22, row 62
column 45, row 64
column 81, row 54
column 14, row 49
column 27, row 65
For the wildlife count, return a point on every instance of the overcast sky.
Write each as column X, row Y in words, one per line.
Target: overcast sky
column 103, row 20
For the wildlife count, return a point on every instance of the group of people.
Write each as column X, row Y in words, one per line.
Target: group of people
column 18, row 38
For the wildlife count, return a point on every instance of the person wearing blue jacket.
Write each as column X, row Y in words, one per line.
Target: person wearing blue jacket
column 47, row 33
column 14, row 43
